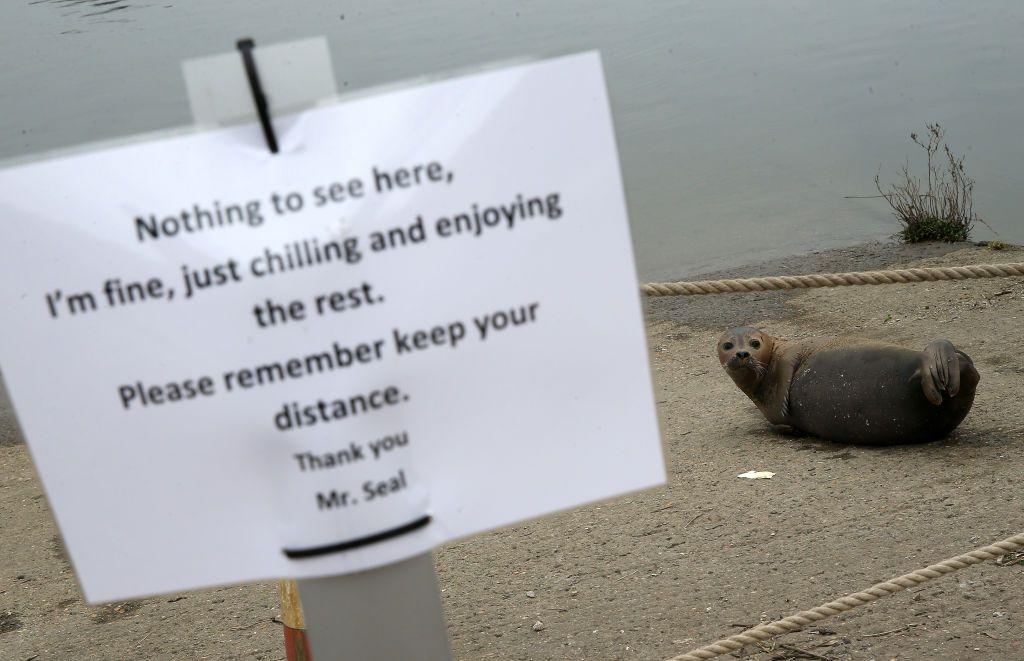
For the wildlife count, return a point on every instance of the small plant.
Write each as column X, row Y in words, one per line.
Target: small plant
column 942, row 210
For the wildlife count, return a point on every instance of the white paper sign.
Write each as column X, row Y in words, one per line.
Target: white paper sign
column 425, row 305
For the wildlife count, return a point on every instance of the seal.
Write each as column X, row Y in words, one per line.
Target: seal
column 852, row 390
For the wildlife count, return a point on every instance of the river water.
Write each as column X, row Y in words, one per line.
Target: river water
column 742, row 125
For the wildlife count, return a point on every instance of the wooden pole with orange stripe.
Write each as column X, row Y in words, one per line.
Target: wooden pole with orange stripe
column 295, row 641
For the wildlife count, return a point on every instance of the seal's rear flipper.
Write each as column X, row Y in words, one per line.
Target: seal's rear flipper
column 940, row 371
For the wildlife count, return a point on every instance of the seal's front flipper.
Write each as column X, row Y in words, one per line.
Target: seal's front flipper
column 940, row 371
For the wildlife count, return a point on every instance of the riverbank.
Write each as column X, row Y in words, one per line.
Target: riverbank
column 655, row 573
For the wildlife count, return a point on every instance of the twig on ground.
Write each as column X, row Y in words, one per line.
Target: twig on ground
column 808, row 654
column 886, row 633
column 831, row 642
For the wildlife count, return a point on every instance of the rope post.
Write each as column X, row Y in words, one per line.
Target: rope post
column 296, row 645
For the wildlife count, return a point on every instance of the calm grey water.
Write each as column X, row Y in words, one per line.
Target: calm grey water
column 741, row 124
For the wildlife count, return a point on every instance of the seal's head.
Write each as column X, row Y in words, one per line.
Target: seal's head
column 745, row 354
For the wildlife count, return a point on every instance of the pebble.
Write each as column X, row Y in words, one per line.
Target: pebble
column 539, row 626
column 531, row 594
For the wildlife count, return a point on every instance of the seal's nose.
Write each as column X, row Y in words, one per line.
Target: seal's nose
column 743, row 354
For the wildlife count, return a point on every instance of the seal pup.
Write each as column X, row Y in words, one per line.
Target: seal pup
column 850, row 390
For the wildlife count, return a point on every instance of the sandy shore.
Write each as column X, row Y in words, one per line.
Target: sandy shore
column 653, row 574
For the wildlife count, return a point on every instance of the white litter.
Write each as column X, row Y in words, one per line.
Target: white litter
column 757, row 475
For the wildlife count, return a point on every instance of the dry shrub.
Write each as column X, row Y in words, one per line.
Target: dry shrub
column 942, row 211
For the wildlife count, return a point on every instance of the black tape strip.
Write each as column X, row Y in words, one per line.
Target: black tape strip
column 314, row 551
column 259, row 98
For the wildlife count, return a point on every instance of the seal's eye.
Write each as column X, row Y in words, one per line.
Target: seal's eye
column 727, row 346
column 756, row 344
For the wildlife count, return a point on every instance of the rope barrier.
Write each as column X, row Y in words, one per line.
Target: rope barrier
column 849, row 602
column 834, row 279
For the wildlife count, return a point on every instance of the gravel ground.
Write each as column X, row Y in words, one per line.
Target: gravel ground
column 654, row 574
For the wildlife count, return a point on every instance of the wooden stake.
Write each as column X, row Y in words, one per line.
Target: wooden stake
column 295, row 641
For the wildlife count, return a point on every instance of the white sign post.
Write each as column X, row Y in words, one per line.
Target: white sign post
column 418, row 321
column 394, row 611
